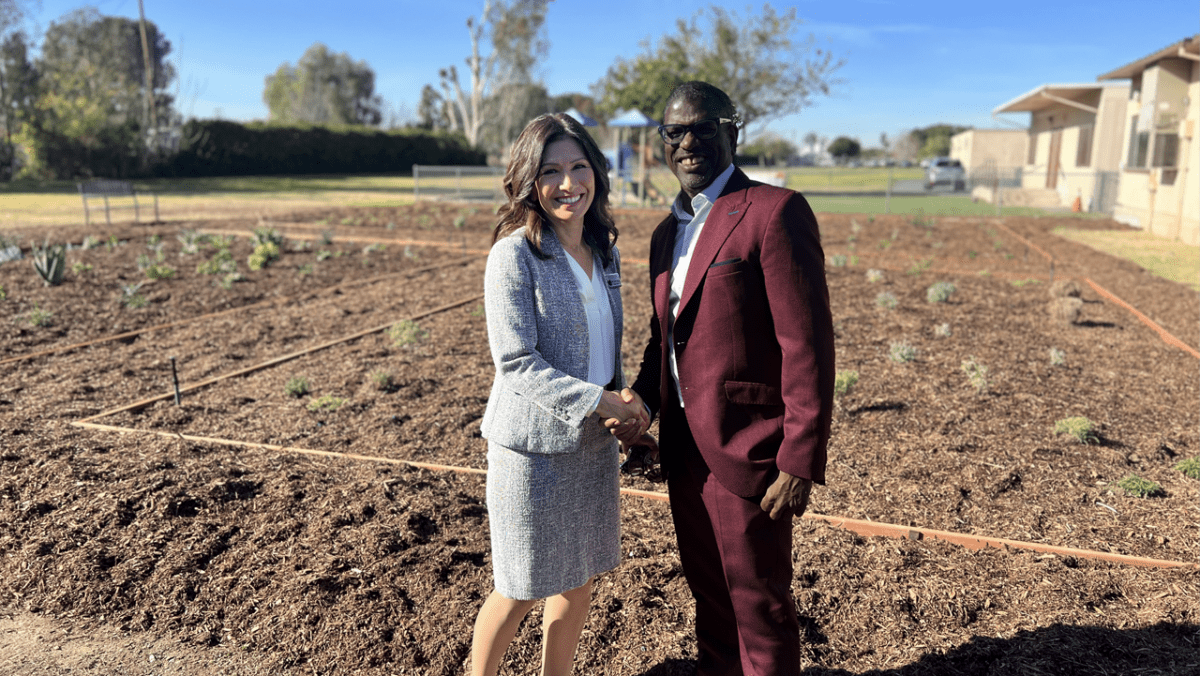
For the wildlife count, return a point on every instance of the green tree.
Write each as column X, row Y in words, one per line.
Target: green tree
column 323, row 88
column 769, row 148
column 934, row 141
column 18, row 82
column 516, row 32
column 753, row 58
column 844, row 147
column 432, row 113
column 89, row 115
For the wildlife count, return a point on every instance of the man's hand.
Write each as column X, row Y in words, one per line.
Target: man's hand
column 623, row 414
column 627, row 429
column 787, row 496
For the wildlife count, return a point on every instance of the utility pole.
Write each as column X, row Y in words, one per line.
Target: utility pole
column 150, row 118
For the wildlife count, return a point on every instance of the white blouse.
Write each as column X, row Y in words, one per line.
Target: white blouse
column 602, row 357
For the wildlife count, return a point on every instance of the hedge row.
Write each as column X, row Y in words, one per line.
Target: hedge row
column 221, row 148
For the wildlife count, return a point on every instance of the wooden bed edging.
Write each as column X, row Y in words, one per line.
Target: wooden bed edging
column 861, row 527
column 1162, row 333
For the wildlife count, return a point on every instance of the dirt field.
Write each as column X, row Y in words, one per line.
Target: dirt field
column 170, row 548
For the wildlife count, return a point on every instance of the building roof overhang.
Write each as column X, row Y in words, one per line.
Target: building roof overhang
column 1187, row 48
column 1049, row 95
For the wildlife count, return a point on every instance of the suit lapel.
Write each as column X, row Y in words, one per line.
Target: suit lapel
column 660, row 268
column 725, row 215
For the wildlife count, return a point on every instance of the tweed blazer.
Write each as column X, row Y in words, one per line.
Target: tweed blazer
column 538, row 334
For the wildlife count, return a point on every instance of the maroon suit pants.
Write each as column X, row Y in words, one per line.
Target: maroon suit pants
column 737, row 561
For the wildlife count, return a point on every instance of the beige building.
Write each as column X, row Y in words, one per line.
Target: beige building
column 981, row 150
column 1073, row 146
column 1159, row 153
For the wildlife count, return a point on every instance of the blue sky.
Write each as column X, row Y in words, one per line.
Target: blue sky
column 908, row 64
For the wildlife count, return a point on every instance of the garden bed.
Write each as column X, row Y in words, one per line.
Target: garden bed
column 262, row 561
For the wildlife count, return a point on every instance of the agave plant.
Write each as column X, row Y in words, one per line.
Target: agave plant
column 50, row 261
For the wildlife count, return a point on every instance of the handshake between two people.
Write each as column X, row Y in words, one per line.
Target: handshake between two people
column 627, row 418
column 624, row 414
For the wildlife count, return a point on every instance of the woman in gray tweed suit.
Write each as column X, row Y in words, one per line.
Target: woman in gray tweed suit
column 553, row 303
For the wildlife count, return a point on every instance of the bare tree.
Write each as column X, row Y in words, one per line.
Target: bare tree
column 515, row 31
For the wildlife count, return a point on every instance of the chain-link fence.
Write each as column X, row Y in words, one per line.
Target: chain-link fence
column 467, row 183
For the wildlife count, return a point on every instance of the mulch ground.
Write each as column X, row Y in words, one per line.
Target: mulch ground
column 326, row 562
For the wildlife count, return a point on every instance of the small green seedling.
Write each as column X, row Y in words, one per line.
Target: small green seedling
column 874, row 276
column 159, row 271
column 920, row 266
column 838, row 260
column 264, row 254
column 1138, row 487
column 844, row 382
column 323, row 254
column 79, row 267
column 296, row 386
column 886, row 300
column 406, row 332
column 1057, row 357
column 901, row 352
column 39, row 317
column 478, row 311
column 943, row 330
column 3, row 293
column 305, row 270
column 383, row 381
column 1081, row 428
column 1190, row 468
column 940, row 292
column 327, row 402
column 977, row 374
column 130, row 297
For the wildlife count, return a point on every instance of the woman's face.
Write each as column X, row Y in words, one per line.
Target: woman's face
column 565, row 183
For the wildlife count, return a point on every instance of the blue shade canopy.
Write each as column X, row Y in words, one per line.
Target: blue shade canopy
column 631, row 118
column 581, row 118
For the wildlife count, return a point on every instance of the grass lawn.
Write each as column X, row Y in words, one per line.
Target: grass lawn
column 1175, row 261
column 57, row 202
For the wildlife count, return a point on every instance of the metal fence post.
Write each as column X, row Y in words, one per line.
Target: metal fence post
column 416, row 172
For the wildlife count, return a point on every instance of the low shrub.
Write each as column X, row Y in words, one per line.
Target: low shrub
column 327, row 402
column 1057, row 357
column 940, row 292
column 874, row 276
column 901, row 352
column 1190, row 467
column 942, row 330
column 838, row 260
column 844, row 382
column 886, row 300
column 264, row 254
column 39, row 317
column 383, row 381
column 1138, row 487
column 406, row 332
column 977, row 374
column 296, row 386
column 159, row 271
column 1083, row 430
column 1065, row 310
column 1065, row 288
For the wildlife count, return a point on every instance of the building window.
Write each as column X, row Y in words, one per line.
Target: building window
column 1139, row 146
column 1166, row 150
column 1083, row 152
column 1032, row 149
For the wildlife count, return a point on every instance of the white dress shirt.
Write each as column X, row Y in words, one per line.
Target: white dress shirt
column 601, row 337
column 686, row 236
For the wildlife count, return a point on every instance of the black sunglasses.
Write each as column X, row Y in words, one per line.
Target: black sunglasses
column 703, row 130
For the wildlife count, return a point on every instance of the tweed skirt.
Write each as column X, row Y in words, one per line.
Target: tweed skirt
column 554, row 517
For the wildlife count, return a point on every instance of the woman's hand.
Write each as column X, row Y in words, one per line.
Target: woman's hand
column 623, row 414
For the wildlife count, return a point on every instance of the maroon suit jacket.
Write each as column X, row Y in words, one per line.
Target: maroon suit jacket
column 753, row 340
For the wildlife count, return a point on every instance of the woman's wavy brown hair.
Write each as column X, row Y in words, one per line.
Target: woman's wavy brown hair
column 523, row 209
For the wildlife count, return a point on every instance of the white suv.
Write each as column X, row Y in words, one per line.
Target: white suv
column 944, row 170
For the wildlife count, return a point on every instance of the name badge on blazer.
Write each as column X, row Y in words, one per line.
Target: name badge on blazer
column 612, row 279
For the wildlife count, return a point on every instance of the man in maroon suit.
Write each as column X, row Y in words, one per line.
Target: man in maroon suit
column 740, row 370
